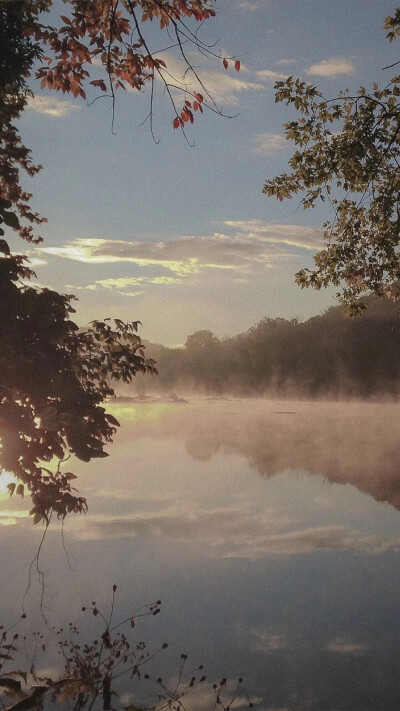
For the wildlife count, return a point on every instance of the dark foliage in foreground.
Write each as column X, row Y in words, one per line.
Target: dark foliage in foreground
column 95, row 674
column 347, row 155
column 55, row 378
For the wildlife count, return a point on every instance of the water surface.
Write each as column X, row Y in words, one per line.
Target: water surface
column 269, row 530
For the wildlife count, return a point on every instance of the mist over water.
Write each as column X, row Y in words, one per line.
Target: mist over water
column 269, row 529
column 354, row 443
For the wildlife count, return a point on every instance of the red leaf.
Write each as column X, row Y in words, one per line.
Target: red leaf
column 237, row 65
column 280, row 197
column 175, row 122
column 225, row 63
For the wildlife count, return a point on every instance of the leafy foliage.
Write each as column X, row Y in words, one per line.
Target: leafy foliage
column 106, row 32
column 348, row 155
column 95, row 674
column 53, row 380
column 327, row 355
column 17, row 55
column 54, row 377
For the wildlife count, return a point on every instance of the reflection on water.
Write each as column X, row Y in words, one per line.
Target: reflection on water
column 270, row 531
column 346, row 443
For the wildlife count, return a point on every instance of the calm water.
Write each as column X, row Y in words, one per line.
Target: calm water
column 269, row 530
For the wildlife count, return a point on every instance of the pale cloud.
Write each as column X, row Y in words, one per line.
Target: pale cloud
column 263, row 640
column 51, row 106
column 270, row 75
column 37, row 262
column 131, row 293
column 218, row 527
column 244, row 247
column 285, row 62
column 124, row 284
column 347, row 646
column 328, row 538
column 298, row 236
column 9, row 517
column 128, row 494
column 184, row 256
column 232, row 532
column 223, row 87
column 34, row 260
column 102, row 251
column 332, row 67
column 251, row 5
column 269, row 143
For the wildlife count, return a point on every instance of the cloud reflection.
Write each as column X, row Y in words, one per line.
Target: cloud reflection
column 347, row 646
column 233, row 532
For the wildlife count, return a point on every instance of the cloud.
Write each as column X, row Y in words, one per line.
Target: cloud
column 328, row 538
column 269, row 143
column 123, row 285
column 51, row 106
column 218, row 527
column 332, row 67
column 251, row 5
column 285, row 62
column 127, row 494
column 34, row 259
column 223, row 87
column 9, row 517
column 346, row 646
column 183, row 256
column 244, row 247
column 298, row 236
column 263, row 640
column 231, row 532
column 37, row 262
column 270, row 75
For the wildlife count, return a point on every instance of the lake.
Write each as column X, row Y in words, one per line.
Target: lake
column 268, row 529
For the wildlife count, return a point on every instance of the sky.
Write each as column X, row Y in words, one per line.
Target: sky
column 180, row 236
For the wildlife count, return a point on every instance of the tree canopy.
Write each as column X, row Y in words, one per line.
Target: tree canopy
column 348, row 154
column 54, row 377
column 324, row 356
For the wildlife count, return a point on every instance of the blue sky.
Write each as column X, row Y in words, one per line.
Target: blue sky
column 182, row 237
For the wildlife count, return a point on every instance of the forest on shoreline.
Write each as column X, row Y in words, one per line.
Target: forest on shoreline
column 327, row 355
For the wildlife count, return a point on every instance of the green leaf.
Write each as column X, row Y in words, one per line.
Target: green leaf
column 11, row 220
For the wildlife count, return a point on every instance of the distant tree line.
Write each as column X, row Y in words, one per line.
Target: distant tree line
column 326, row 355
